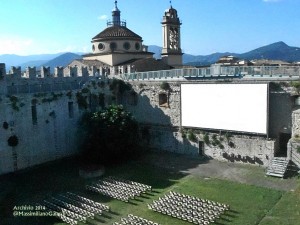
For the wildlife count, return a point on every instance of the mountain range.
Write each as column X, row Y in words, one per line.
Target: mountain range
column 275, row 51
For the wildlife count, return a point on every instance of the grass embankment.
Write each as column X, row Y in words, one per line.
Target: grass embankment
column 286, row 211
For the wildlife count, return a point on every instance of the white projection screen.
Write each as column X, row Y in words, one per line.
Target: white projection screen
column 232, row 107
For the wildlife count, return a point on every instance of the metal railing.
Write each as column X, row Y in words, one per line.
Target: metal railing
column 268, row 72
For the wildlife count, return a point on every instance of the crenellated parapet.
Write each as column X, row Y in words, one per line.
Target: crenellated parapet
column 31, row 72
column 34, row 80
column 15, row 72
column 59, row 71
column 73, row 71
column 45, row 72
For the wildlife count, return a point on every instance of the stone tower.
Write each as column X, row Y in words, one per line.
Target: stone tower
column 171, row 53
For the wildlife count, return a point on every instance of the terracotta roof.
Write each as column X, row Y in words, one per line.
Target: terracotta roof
column 147, row 64
column 91, row 62
column 116, row 32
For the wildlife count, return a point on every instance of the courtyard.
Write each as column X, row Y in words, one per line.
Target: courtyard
column 253, row 198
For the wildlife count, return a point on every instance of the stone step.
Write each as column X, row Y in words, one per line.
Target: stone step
column 277, row 170
column 280, row 162
column 275, row 174
column 278, row 167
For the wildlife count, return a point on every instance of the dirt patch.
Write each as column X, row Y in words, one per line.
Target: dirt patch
column 209, row 168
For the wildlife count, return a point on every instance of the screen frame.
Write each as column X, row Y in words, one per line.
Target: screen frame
column 229, row 130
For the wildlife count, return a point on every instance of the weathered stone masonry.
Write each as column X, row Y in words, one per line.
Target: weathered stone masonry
column 165, row 133
column 45, row 122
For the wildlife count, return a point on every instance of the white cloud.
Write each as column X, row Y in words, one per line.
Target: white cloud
column 103, row 17
column 12, row 44
column 15, row 45
column 73, row 48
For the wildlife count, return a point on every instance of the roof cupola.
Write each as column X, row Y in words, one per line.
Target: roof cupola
column 116, row 17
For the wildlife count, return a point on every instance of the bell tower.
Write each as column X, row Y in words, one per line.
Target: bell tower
column 171, row 52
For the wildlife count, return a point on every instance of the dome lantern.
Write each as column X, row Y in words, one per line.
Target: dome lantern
column 116, row 17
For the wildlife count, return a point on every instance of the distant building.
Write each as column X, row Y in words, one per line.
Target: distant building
column 230, row 60
column 267, row 62
column 227, row 60
column 117, row 49
column 171, row 51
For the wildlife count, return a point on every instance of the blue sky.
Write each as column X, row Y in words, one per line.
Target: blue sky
column 52, row 26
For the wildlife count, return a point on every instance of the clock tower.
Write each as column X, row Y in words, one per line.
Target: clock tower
column 171, row 52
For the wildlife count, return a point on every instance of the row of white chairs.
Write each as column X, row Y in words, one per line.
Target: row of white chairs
column 192, row 199
column 134, row 220
column 120, row 189
column 131, row 190
column 67, row 219
column 89, row 208
column 133, row 184
column 109, row 193
column 88, row 201
column 189, row 208
column 65, row 215
column 71, row 207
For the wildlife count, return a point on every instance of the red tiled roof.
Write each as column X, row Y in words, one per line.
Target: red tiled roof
column 117, row 31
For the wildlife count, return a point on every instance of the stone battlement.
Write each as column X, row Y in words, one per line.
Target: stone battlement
column 33, row 80
column 45, row 72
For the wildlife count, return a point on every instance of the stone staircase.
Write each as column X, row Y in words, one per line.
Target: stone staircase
column 278, row 167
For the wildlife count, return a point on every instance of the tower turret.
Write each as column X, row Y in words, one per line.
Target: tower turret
column 116, row 17
column 171, row 52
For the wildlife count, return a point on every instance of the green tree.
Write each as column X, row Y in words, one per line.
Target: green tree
column 111, row 135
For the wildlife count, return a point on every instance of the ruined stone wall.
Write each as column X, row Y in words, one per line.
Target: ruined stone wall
column 238, row 148
column 163, row 122
column 45, row 124
column 52, row 134
column 294, row 143
column 49, row 136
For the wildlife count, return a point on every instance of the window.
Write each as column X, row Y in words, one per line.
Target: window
column 113, row 46
column 71, row 109
column 34, row 114
column 137, row 46
column 93, row 48
column 132, row 98
column 201, row 148
column 163, row 100
column 126, row 45
column 101, row 46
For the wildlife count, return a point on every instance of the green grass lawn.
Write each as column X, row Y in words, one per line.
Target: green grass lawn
column 286, row 211
column 249, row 204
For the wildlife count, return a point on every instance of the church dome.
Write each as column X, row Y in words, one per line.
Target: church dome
column 117, row 32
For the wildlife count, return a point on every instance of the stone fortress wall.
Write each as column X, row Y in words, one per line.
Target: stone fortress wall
column 45, row 121
column 165, row 131
column 44, row 112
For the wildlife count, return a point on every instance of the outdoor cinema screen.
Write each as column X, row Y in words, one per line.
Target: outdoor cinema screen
column 233, row 107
